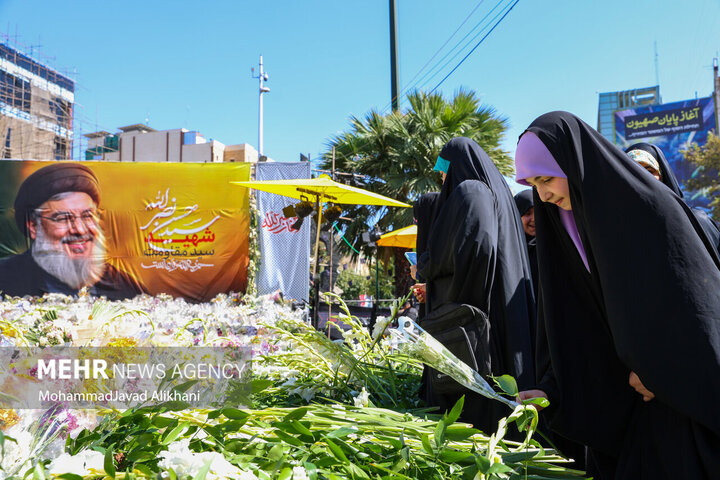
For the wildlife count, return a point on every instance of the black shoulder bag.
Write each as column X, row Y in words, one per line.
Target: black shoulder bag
column 465, row 331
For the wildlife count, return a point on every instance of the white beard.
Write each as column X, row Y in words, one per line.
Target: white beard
column 75, row 272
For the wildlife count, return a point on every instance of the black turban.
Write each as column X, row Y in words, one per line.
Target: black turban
column 49, row 181
column 524, row 201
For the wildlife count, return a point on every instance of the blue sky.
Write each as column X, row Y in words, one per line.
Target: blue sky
column 187, row 64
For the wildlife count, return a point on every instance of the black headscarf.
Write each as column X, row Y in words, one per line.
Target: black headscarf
column 648, row 304
column 524, row 201
column 667, row 176
column 476, row 254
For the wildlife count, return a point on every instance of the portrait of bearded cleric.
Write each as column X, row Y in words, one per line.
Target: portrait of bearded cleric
column 58, row 209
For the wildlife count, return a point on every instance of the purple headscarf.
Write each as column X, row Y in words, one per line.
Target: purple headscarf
column 533, row 159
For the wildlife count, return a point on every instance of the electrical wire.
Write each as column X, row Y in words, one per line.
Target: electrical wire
column 453, row 52
column 408, row 85
column 457, row 49
column 475, row 47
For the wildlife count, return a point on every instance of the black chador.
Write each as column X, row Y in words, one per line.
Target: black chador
column 476, row 255
column 646, row 302
column 667, row 176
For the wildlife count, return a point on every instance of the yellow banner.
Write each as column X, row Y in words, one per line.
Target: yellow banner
column 175, row 228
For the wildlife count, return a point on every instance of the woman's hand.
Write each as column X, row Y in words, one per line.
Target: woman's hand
column 419, row 292
column 528, row 394
column 635, row 382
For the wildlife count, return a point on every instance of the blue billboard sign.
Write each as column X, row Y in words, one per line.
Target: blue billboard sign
column 672, row 127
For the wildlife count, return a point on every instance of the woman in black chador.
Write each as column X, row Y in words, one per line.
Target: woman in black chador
column 628, row 309
column 476, row 255
column 424, row 214
column 644, row 154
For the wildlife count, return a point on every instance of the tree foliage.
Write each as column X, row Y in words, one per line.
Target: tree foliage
column 394, row 154
column 705, row 177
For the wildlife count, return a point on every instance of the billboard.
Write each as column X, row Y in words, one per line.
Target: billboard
column 120, row 228
column 672, row 127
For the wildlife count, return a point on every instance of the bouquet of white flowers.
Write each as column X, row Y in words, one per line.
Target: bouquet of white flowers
column 417, row 343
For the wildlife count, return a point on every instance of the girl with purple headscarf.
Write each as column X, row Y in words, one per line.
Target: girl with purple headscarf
column 628, row 345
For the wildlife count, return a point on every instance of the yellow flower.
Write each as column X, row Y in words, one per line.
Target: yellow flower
column 8, row 418
column 8, row 331
column 122, row 342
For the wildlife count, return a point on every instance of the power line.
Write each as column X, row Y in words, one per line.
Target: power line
column 455, row 51
column 475, row 47
column 409, row 83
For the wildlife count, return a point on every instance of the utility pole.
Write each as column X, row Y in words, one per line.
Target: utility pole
column 263, row 77
column 394, row 90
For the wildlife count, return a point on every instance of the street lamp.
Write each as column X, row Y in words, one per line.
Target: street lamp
column 263, row 77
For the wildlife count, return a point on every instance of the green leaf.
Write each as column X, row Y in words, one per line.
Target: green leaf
column 203, row 471
column 185, row 386
column 235, row 413
column 162, row 422
column 39, row 472
column 311, row 470
column 174, row 434
column 426, row 444
column 453, row 456
column 109, row 464
column 459, row 433
column 288, row 438
column 343, row 432
column 498, row 468
column 232, row 425
column 276, row 453
column 285, row 474
column 440, row 433
column 356, row 471
column 456, row 411
column 214, row 432
column 300, row 428
column 539, row 401
column 140, row 456
column 507, row 384
column 69, row 476
column 144, row 469
column 296, row 414
column 336, row 451
column 214, row 414
column 483, row 463
column 259, row 384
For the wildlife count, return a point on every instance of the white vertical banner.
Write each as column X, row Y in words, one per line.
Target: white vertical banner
column 284, row 251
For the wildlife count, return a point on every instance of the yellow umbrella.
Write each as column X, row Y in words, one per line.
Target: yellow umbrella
column 403, row 237
column 324, row 189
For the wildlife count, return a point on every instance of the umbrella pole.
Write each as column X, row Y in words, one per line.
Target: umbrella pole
column 316, row 279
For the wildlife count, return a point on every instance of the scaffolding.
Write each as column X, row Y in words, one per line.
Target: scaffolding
column 36, row 108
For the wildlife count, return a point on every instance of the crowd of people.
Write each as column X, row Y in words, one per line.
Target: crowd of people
column 599, row 290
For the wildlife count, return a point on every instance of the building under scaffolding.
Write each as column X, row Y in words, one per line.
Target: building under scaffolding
column 36, row 106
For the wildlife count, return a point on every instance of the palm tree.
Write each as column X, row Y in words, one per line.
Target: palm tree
column 394, row 154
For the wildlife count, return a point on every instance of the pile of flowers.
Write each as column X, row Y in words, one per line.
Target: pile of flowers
column 322, row 408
